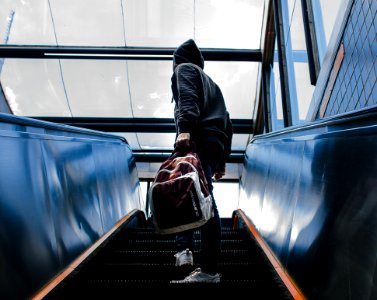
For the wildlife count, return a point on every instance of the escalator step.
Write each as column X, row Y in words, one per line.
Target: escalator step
column 166, row 256
column 141, row 260
column 114, row 289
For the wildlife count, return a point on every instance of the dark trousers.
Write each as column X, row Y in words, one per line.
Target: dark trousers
column 211, row 230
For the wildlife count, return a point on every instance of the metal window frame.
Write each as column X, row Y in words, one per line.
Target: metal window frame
column 283, row 68
column 328, row 62
column 310, row 40
column 243, row 126
column 150, row 125
column 262, row 115
column 123, row 53
column 155, row 125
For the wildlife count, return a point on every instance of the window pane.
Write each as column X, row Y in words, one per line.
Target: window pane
column 88, row 22
column 329, row 10
column 325, row 16
column 97, row 88
column 229, row 24
column 66, row 87
column 240, row 141
column 225, row 204
column 277, row 120
column 34, row 87
column 153, row 23
column 26, row 23
column 151, row 88
column 301, row 89
column 105, row 88
column 238, row 81
column 158, row 22
column 296, row 35
column 165, row 141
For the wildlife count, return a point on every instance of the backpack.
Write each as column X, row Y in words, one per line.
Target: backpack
column 179, row 197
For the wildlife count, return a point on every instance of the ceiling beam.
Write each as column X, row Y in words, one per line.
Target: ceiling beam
column 155, row 156
column 123, row 53
column 155, row 125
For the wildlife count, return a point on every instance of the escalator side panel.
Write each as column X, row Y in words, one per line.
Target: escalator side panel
column 316, row 205
column 61, row 189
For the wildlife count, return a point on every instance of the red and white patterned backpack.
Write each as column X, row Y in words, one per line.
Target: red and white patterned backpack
column 179, row 197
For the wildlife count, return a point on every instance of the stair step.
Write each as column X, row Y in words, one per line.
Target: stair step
column 147, row 234
column 114, row 289
column 166, row 256
column 164, row 244
column 153, row 271
column 142, row 260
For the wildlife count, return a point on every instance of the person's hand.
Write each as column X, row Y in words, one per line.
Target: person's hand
column 218, row 175
column 183, row 140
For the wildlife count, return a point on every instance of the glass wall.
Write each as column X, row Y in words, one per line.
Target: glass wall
column 325, row 14
column 298, row 88
column 301, row 90
column 277, row 121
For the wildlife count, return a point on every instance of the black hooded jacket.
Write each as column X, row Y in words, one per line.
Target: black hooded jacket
column 199, row 104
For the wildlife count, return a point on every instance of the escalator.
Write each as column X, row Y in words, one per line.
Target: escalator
column 137, row 260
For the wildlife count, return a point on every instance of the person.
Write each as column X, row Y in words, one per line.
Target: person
column 201, row 119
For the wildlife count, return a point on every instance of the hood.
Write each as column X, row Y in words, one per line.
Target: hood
column 188, row 52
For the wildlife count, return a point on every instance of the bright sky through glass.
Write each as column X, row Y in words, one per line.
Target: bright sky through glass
column 154, row 23
column 125, row 88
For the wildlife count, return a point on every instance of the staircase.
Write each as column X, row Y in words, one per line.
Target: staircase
column 137, row 260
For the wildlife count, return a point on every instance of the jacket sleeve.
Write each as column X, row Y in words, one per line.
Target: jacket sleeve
column 227, row 144
column 229, row 134
column 188, row 87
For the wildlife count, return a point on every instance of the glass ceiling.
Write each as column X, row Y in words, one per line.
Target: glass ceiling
column 153, row 23
column 125, row 88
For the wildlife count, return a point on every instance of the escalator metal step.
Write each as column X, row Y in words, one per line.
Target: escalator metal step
column 143, row 261
column 167, row 256
column 114, row 289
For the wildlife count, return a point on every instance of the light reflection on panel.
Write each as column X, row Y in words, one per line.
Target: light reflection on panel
column 60, row 191
column 313, row 197
column 276, row 97
column 254, row 174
